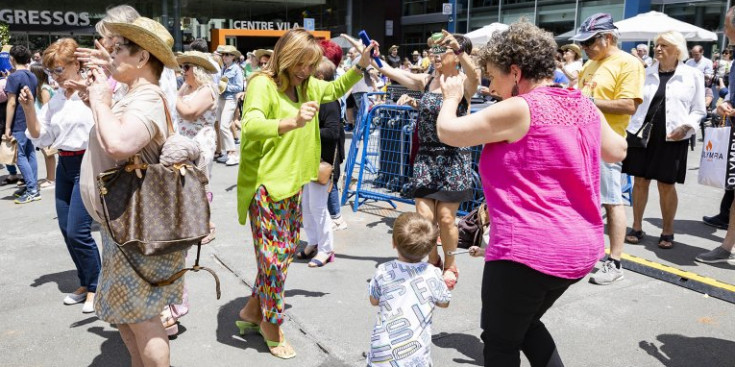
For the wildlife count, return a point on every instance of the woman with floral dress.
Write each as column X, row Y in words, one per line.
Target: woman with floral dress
column 442, row 175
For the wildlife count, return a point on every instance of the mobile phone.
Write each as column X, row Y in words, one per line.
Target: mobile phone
column 366, row 41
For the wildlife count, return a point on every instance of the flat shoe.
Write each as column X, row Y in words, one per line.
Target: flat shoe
column 88, row 307
column 316, row 263
column 73, row 298
column 303, row 255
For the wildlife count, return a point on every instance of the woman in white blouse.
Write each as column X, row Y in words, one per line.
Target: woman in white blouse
column 572, row 63
column 64, row 124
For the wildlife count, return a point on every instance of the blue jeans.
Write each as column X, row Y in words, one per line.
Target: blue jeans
column 27, row 161
column 75, row 223
column 11, row 169
column 333, row 202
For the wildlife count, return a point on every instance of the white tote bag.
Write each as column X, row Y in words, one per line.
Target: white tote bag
column 717, row 164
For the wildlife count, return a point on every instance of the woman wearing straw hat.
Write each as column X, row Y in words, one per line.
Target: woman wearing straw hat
column 572, row 63
column 228, row 103
column 197, row 108
column 281, row 151
column 135, row 124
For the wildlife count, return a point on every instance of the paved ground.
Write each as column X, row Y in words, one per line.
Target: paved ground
column 639, row 321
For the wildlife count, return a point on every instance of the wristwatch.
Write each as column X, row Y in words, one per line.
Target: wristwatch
column 358, row 67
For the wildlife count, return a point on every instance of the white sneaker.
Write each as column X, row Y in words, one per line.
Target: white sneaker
column 233, row 160
column 88, row 305
column 339, row 224
column 73, row 298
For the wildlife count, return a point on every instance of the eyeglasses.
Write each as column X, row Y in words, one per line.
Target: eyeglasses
column 57, row 70
column 589, row 42
column 226, row 54
column 119, row 45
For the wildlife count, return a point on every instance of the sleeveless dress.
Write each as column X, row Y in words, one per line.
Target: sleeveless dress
column 201, row 130
column 440, row 172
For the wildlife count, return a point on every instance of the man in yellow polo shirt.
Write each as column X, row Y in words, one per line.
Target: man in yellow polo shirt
column 613, row 80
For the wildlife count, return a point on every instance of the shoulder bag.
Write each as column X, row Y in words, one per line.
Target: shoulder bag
column 155, row 209
column 640, row 138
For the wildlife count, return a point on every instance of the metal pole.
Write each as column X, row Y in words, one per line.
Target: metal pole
column 576, row 14
column 178, row 42
column 469, row 7
column 535, row 11
column 724, row 37
column 452, row 26
column 500, row 9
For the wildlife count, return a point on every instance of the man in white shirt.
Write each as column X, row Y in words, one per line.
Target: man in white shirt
column 642, row 53
column 702, row 63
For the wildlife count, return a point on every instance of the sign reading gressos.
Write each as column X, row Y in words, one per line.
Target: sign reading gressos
column 20, row 19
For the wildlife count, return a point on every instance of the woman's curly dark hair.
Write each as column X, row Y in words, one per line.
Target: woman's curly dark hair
column 525, row 45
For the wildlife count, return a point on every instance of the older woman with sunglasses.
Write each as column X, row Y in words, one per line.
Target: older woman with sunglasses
column 136, row 124
column 442, row 175
column 64, row 124
column 197, row 107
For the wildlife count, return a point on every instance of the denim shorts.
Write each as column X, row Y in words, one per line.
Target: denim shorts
column 611, row 188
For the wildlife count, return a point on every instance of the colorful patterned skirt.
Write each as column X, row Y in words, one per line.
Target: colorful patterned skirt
column 276, row 227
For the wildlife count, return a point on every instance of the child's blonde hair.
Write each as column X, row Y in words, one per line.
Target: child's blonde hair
column 414, row 236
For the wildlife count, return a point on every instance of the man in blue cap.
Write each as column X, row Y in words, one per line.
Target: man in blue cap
column 613, row 80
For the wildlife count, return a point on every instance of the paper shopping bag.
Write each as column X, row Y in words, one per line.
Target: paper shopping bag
column 717, row 164
column 8, row 150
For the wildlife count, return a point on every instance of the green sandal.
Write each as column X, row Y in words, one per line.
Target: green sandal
column 247, row 326
column 286, row 352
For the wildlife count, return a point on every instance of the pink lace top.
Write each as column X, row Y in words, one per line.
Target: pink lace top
column 543, row 191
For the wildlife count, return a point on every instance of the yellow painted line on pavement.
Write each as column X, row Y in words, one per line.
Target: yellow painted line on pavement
column 678, row 272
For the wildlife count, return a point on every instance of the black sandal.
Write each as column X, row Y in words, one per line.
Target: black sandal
column 303, row 255
column 638, row 235
column 666, row 238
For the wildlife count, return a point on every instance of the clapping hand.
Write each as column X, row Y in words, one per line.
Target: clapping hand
column 452, row 87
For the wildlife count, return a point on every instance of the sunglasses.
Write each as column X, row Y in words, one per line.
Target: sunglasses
column 591, row 41
column 438, row 50
column 186, row 67
column 226, row 54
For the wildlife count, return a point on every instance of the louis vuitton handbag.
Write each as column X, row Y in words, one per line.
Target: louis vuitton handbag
column 156, row 209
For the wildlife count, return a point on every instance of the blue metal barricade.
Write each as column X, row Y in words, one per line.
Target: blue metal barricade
column 381, row 151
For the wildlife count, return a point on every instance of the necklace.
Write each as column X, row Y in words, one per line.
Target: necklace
column 662, row 70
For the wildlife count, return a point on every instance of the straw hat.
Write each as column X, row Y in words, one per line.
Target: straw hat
column 574, row 48
column 228, row 49
column 262, row 52
column 416, row 53
column 150, row 36
column 222, row 85
column 197, row 58
column 6, row 48
column 394, row 47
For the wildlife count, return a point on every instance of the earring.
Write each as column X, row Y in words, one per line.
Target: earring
column 514, row 91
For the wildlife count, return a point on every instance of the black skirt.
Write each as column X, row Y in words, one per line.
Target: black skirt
column 663, row 161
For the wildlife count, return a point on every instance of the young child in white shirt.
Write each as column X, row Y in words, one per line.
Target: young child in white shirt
column 406, row 291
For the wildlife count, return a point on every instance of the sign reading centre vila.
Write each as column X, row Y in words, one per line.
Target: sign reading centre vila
column 263, row 26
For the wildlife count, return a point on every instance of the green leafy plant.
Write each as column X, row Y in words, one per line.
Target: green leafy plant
column 4, row 33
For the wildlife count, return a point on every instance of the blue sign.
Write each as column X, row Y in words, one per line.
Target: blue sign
column 309, row 24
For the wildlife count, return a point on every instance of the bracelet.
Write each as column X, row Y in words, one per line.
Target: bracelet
column 360, row 68
column 458, row 52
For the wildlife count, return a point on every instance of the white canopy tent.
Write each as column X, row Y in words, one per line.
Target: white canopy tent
column 645, row 26
column 479, row 37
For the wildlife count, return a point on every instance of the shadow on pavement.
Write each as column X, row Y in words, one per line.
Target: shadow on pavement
column 682, row 254
column 227, row 332
column 300, row 292
column 113, row 352
column 691, row 227
column 683, row 351
column 469, row 345
column 67, row 281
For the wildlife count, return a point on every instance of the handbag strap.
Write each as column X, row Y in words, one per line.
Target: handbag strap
column 170, row 280
column 334, row 162
column 650, row 121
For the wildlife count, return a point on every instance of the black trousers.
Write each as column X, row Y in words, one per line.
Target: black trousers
column 726, row 203
column 514, row 297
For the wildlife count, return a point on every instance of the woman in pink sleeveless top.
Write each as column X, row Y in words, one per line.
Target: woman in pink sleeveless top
column 540, row 174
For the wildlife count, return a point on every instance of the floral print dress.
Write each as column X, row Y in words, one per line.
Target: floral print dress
column 201, row 130
column 440, row 172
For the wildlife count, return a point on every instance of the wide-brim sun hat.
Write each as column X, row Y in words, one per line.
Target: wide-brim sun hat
column 228, row 49
column 394, row 47
column 150, row 36
column 262, row 52
column 197, row 58
column 574, row 48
